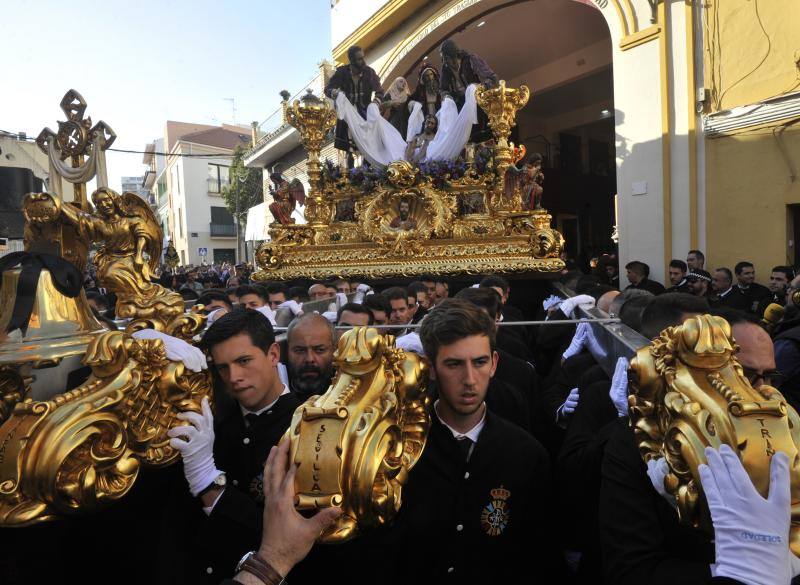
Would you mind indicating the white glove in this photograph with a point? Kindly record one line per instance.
(576, 345)
(268, 313)
(331, 316)
(176, 349)
(362, 292)
(410, 342)
(657, 470)
(216, 314)
(751, 534)
(619, 387)
(584, 301)
(196, 444)
(295, 307)
(552, 301)
(570, 404)
(341, 300)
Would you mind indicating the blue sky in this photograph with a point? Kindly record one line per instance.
(141, 63)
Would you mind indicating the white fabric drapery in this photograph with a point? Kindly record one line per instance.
(381, 144)
(95, 164)
(256, 228)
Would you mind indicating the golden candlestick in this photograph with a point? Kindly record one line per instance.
(312, 117)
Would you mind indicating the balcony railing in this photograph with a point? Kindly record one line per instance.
(216, 186)
(223, 230)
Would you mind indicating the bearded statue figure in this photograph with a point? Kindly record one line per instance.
(131, 248)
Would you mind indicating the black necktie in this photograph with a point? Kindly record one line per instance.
(251, 418)
(465, 444)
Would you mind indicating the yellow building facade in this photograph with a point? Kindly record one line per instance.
(669, 122)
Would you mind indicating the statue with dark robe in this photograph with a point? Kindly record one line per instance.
(428, 90)
(359, 82)
(460, 69)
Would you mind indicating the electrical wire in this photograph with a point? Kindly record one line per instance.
(129, 151)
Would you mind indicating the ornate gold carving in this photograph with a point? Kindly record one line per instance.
(356, 443)
(312, 117)
(82, 449)
(446, 221)
(690, 392)
(128, 230)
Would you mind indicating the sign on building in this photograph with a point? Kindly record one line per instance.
(202, 251)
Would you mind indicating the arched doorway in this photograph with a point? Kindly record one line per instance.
(563, 52)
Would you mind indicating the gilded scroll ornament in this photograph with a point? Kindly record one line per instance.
(82, 449)
(356, 444)
(690, 392)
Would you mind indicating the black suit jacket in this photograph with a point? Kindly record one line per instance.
(234, 526)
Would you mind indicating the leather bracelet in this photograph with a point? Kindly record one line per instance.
(268, 569)
(263, 570)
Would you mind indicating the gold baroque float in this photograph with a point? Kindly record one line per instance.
(690, 392)
(409, 224)
(71, 444)
(356, 444)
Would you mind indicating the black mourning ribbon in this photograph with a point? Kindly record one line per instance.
(66, 278)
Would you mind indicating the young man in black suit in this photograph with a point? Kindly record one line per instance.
(224, 455)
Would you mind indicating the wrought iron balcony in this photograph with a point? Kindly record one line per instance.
(223, 230)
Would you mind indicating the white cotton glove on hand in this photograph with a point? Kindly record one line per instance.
(568, 408)
(751, 534)
(584, 301)
(657, 470)
(196, 445)
(410, 342)
(331, 316)
(295, 307)
(578, 340)
(619, 387)
(341, 300)
(362, 292)
(268, 313)
(551, 301)
(176, 349)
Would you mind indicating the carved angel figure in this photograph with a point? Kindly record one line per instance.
(286, 196)
(128, 230)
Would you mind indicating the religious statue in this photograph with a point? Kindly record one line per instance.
(395, 105)
(528, 180)
(459, 70)
(417, 149)
(403, 221)
(286, 196)
(358, 81)
(427, 93)
(128, 230)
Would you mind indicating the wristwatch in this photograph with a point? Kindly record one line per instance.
(219, 482)
(258, 567)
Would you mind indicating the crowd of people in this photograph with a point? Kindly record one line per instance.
(531, 472)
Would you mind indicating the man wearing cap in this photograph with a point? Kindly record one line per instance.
(697, 282)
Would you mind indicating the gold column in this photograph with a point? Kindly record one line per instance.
(501, 104)
(312, 117)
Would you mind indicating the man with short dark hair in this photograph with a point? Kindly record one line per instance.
(342, 286)
(276, 294)
(724, 293)
(251, 296)
(779, 281)
(400, 312)
(638, 275)
(420, 292)
(753, 292)
(442, 290)
(695, 260)
(224, 455)
(191, 282)
(310, 344)
(353, 315)
(677, 276)
(475, 504)
(503, 288)
(379, 307)
(215, 301)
